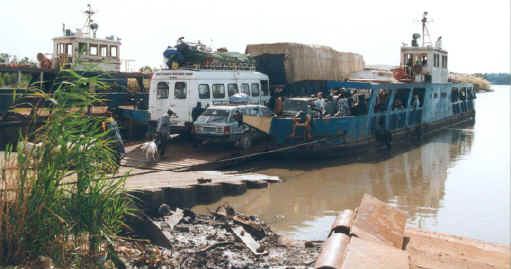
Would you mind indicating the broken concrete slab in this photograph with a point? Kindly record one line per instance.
(247, 239)
(234, 188)
(364, 254)
(209, 192)
(378, 221)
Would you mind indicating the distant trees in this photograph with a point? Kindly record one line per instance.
(497, 78)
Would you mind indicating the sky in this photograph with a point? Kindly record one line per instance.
(475, 33)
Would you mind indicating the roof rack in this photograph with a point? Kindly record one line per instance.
(220, 67)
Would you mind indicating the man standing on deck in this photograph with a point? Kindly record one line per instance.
(110, 125)
(163, 131)
(197, 111)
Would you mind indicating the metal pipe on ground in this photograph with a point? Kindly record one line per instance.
(342, 223)
(332, 252)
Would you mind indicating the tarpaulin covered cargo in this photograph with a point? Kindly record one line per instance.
(291, 62)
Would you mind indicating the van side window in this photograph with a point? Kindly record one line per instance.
(180, 90)
(265, 87)
(245, 89)
(218, 91)
(162, 90)
(255, 89)
(232, 89)
(204, 91)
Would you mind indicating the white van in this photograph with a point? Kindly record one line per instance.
(180, 90)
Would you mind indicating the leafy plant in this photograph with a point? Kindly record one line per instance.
(57, 198)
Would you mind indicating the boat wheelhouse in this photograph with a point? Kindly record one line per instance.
(83, 51)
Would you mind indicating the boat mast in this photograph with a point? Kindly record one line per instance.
(425, 30)
(90, 25)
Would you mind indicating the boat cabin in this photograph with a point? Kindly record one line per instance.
(425, 64)
(83, 51)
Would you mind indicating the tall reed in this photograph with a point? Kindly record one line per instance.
(58, 199)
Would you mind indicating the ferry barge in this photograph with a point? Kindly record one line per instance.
(421, 102)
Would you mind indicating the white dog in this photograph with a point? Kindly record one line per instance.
(151, 150)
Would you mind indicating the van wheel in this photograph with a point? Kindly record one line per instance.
(245, 141)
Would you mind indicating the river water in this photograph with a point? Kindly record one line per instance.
(456, 182)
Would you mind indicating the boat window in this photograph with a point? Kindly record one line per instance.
(93, 50)
(436, 60)
(204, 91)
(424, 59)
(232, 89)
(471, 93)
(245, 89)
(454, 95)
(103, 50)
(113, 51)
(265, 87)
(444, 61)
(180, 90)
(218, 91)
(255, 89)
(463, 93)
(60, 48)
(401, 99)
(382, 100)
(82, 48)
(408, 59)
(418, 98)
(69, 49)
(162, 90)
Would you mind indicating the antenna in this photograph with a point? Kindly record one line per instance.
(425, 30)
(90, 25)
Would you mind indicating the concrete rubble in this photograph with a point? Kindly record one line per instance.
(222, 239)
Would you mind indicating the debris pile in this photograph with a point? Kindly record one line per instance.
(222, 239)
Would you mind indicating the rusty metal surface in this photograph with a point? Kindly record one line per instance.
(342, 223)
(437, 250)
(369, 254)
(332, 251)
(377, 221)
